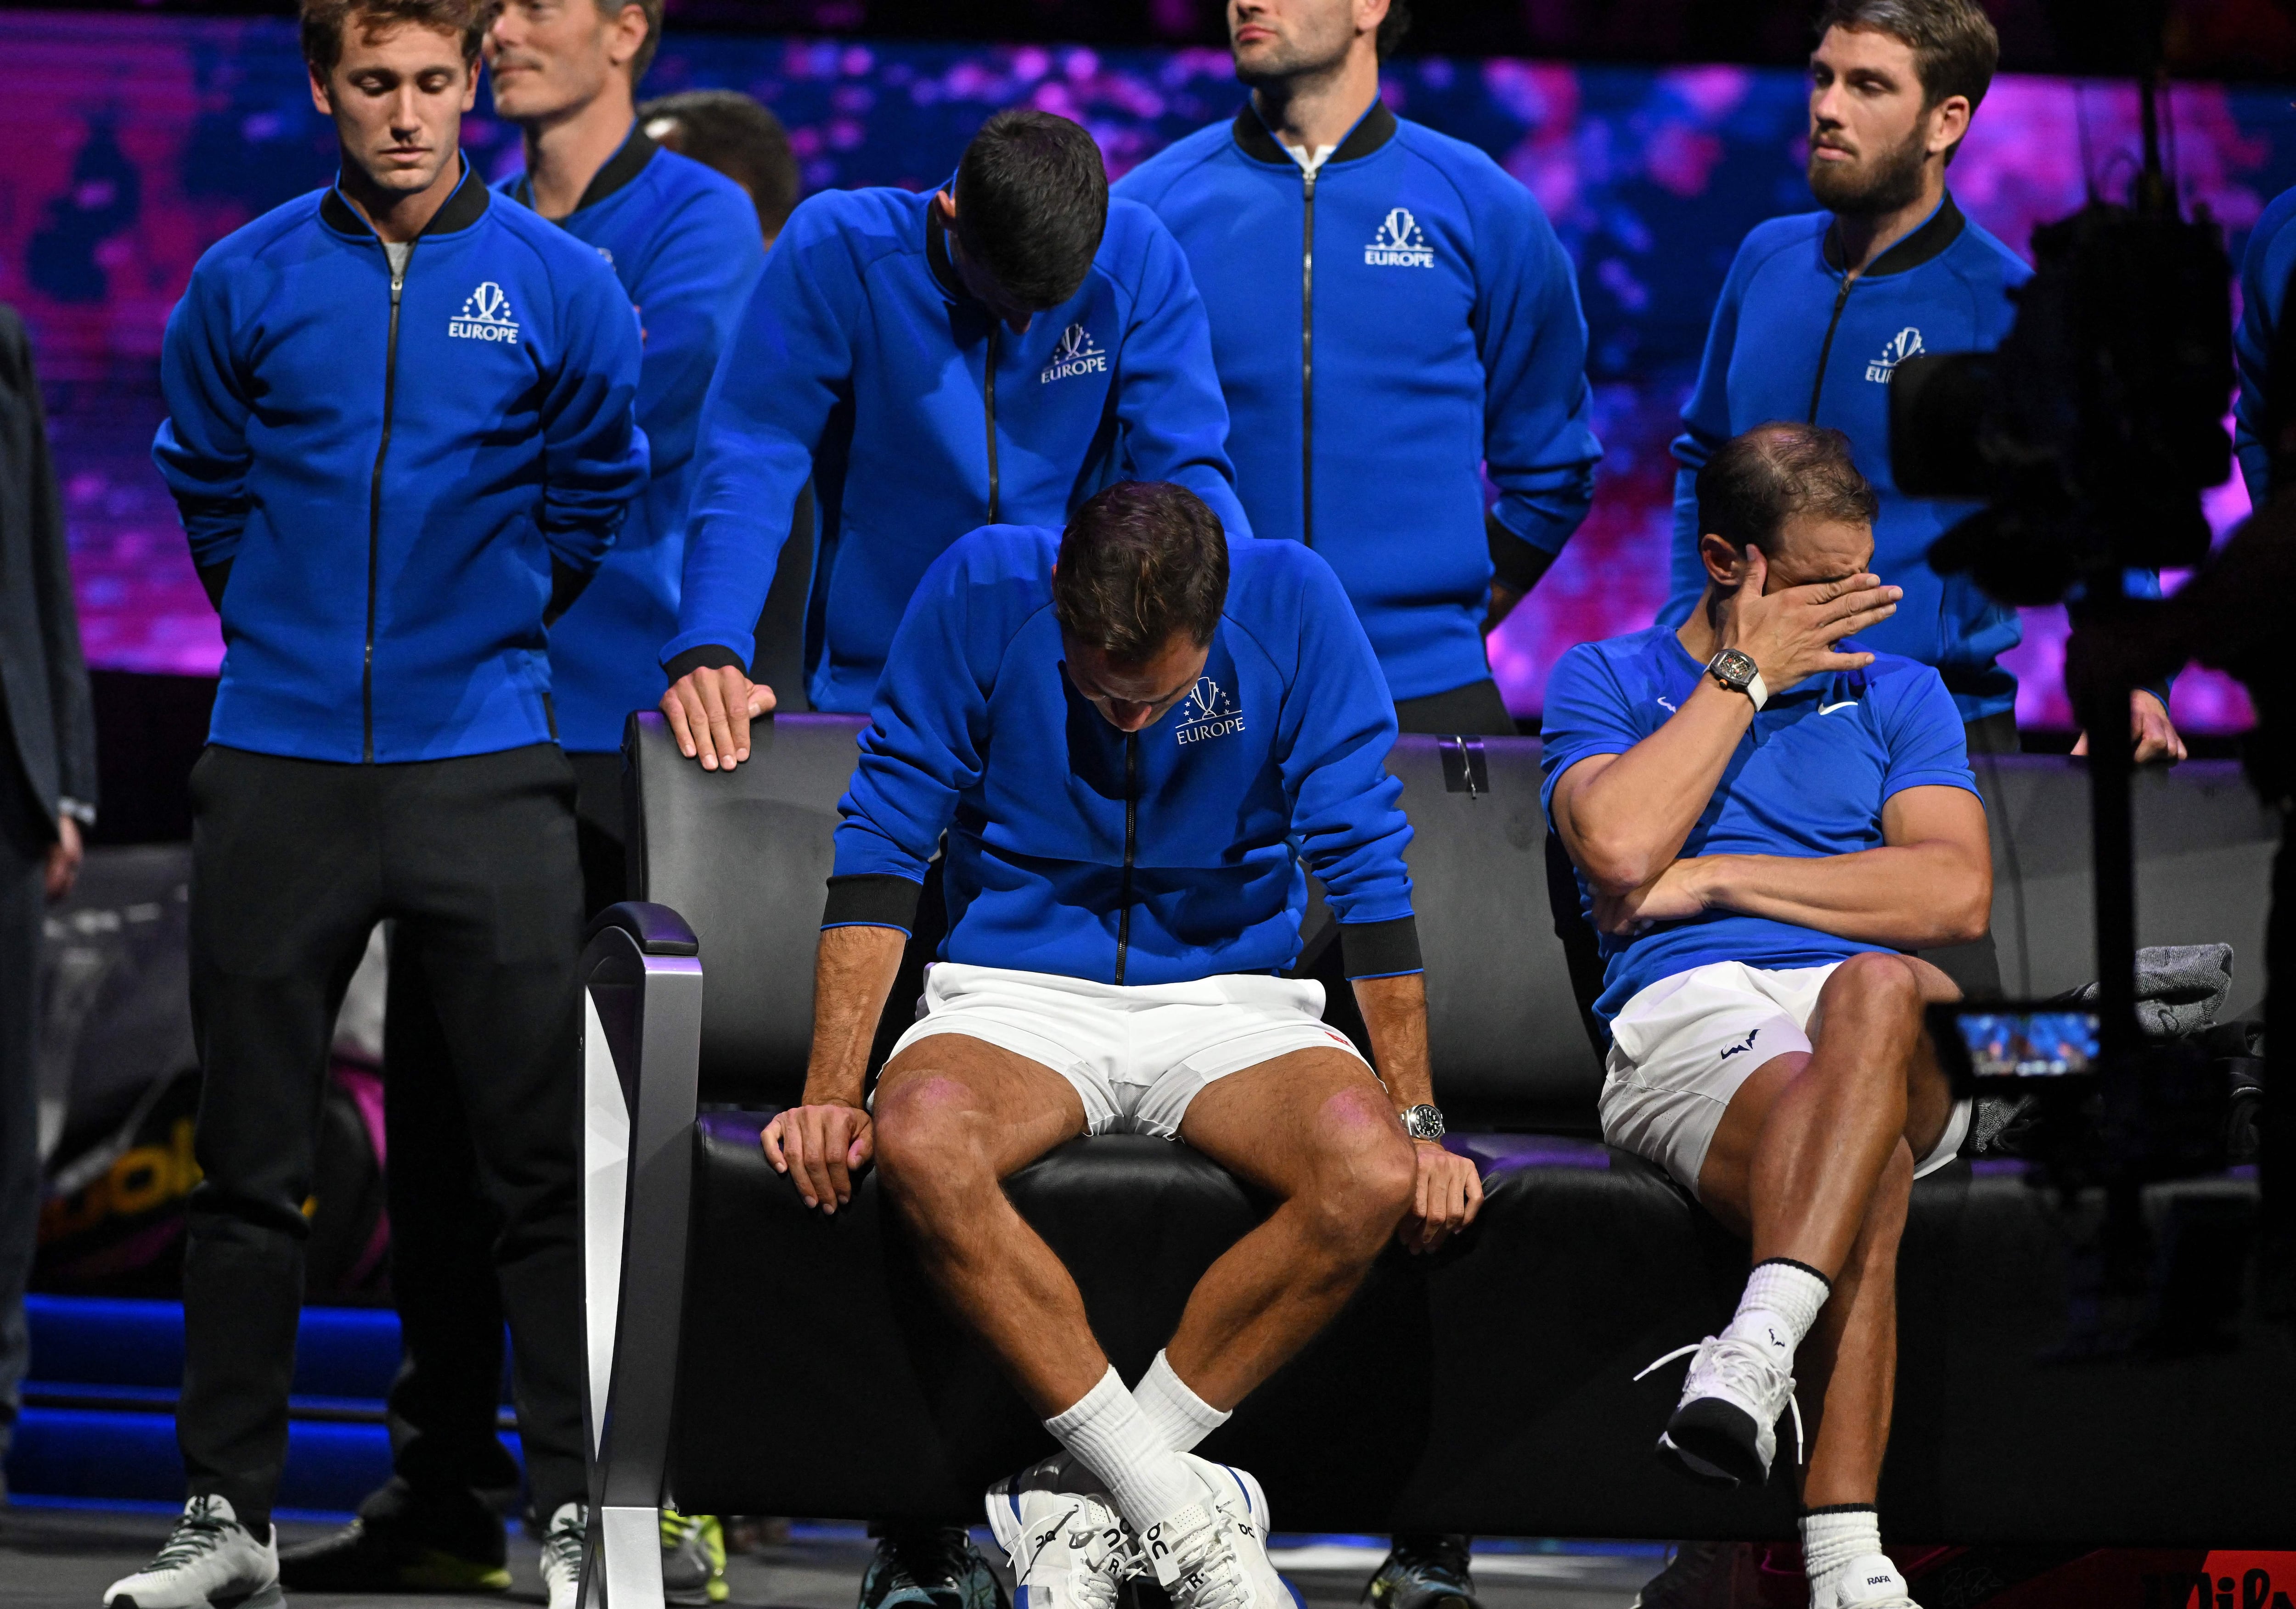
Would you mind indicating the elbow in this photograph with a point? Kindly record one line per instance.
(1970, 917)
(1615, 868)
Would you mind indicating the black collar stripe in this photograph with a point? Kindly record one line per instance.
(1924, 245)
(1372, 130)
(624, 166)
(465, 207)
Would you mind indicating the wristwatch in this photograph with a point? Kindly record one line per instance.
(1423, 1122)
(1736, 673)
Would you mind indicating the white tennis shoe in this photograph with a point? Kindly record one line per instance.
(1725, 1429)
(1871, 1582)
(209, 1561)
(1070, 1547)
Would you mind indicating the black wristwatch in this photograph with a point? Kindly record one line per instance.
(1423, 1122)
(1735, 671)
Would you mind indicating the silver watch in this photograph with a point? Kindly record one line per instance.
(1423, 1122)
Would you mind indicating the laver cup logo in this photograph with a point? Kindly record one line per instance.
(1906, 343)
(1208, 713)
(1075, 355)
(486, 316)
(1399, 242)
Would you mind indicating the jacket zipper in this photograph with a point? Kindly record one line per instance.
(988, 404)
(374, 494)
(1825, 352)
(1131, 843)
(1308, 357)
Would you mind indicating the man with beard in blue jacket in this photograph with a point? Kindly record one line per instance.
(1820, 308)
(1389, 310)
(992, 352)
(1130, 753)
(684, 242)
(401, 435)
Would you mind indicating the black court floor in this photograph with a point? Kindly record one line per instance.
(67, 1557)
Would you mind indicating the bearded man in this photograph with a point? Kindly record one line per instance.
(1820, 308)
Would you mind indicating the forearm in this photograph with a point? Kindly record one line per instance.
(1395, 1014)
(1911, 896)
(852, 973)
(1630, 819)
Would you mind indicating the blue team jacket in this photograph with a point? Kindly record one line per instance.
(1163, 856)
(684, 241)
(1384, 328)
(2264, 273)
(1793, 339)
(862, 362)
(391, 477)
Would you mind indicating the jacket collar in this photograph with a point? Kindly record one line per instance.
(465, 207)
(1372, 130)
(1925, 244)
(624, 165)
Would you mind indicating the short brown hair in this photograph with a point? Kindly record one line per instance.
(324, 20)
(1955, 50)
(1140, 561)
(1774, 473)
(727, 130)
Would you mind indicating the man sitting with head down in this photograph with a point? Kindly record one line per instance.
(1124, 749)
(1764, 817)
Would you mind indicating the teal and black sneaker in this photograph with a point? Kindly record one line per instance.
(1423, 1571)
(692, 1559)
(930, 1567)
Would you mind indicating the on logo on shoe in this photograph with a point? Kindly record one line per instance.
(486, 316)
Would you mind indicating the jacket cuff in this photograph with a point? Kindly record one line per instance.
(78, 810)
(1380, 949)
(872, 899)
(712, 655)
(1516, 564)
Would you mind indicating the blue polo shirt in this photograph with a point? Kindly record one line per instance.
(1809, 778)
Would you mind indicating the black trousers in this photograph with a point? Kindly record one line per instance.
(294, 861)
(444, 1453)
(24, 839)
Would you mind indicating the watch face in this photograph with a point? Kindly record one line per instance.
(1732, 667)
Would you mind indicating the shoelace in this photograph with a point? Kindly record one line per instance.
(1215, 1572)
(563, 1545)
(1745, 1365)
(200, 1532)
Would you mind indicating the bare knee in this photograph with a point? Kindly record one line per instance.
(928, 1139)
(1364, 1174)
(1876, 982)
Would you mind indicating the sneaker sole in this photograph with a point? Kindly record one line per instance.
(1710, 1440)
(262, 1597)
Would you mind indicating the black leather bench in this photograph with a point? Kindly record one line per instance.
(756, 1358)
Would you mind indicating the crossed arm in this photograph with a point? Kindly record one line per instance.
(1624, 818)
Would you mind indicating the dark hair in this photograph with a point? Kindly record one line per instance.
(1139, 561)
(1393, 27)
(323, 23)
(1032, 202)
(1956, 49)
(727, 130)
(1755, 483)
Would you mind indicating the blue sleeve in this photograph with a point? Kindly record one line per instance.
(1539, 436)
(1337, 726)
(1168, 396)
(593, 454)
(1705, 427)
(922, 747)
(1587, 714)
(1928, 747)
(696, 282)
(201, 448)
(789, 364)
(2264, 273)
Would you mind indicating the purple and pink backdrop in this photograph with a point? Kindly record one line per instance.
(142, 140)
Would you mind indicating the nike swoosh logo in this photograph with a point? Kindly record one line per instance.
(1827, 710)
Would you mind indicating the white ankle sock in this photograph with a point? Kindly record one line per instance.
(1780, 1306)
(1107, 1431)
(1831, 1537)
(1179, 1417)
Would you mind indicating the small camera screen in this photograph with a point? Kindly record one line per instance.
(2029, 1044)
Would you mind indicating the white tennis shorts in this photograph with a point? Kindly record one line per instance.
(1136, 1053)
(1680, 1049)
